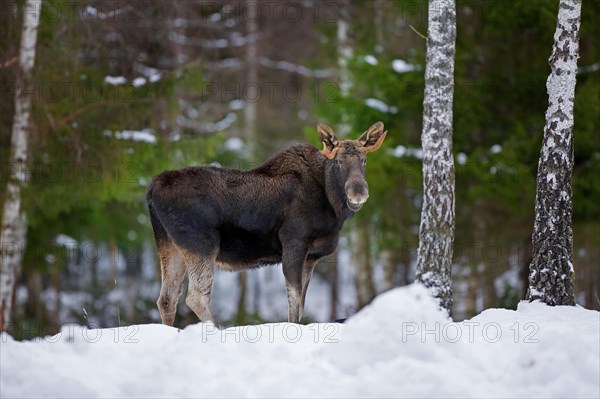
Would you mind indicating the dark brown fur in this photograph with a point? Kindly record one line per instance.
(288, 210)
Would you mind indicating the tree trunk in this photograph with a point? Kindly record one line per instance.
(242, 314)
(344, 54)
(345, 51)
(379, 26)
(34, 304)
(551, 270)
(389, 269)
(251, 105)
(471, 297)
(113, 250)
(334, 286)
(55, 283)
(363, 267)
(13, 230)
(404, 266)
(436, 233)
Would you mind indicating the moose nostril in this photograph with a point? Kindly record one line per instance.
(359, 189)
(357, 192)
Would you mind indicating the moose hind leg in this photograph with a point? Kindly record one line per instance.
(172, 273)
(200, 273)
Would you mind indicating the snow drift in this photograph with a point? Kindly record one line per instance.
(401, 345)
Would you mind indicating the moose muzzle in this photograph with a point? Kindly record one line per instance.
(357, 193)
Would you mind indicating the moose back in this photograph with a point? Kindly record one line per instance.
(288, 210)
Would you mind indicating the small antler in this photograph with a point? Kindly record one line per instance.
(329, 154)
(330, 142)
(375, 146)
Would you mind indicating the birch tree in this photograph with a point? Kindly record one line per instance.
(551, 269)
(436, 232)
(13, 230)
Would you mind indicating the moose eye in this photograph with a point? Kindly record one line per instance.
(364, 162)
(338, 162)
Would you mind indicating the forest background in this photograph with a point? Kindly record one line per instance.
(125, 89)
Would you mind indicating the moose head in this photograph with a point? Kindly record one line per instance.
(346, 162)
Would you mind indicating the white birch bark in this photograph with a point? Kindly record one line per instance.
(551, 268)
(436, 233)
(13, 228)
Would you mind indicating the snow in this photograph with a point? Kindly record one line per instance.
(91, 13)
(401, 345)
(402, 151)
(152, 74)
(589, 68)
(139, 81)
(236, 105)
(180, 23)
(380, 106)
(370, 59)
(234, 144)
(144, 135)
(296, 68)
(401, 66)
(220, 125)
(496, 149)
(65, 240)
(226, 63)
(115, 80)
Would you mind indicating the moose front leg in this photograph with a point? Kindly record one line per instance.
(293, 261)
(307, 272)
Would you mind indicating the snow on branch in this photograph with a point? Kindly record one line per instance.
(295, 68)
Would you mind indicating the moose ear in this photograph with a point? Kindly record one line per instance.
(327, 137)
(371, 139)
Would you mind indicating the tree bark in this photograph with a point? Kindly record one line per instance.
(363, 266)
(344, 54)
(379, 26)
(242, 314)
(333, 315)
(436, 233)
(345, 50)
(251, 104)
(551, 270)
(34, 307)
(389, 269)
(13, 230)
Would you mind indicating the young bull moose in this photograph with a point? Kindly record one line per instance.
(289, 210)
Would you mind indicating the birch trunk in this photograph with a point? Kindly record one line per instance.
(13, 230)
(551, 269)
(436, 233)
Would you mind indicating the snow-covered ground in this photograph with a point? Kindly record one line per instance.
(399, 346)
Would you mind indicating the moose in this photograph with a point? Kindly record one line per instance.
(288, 210)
